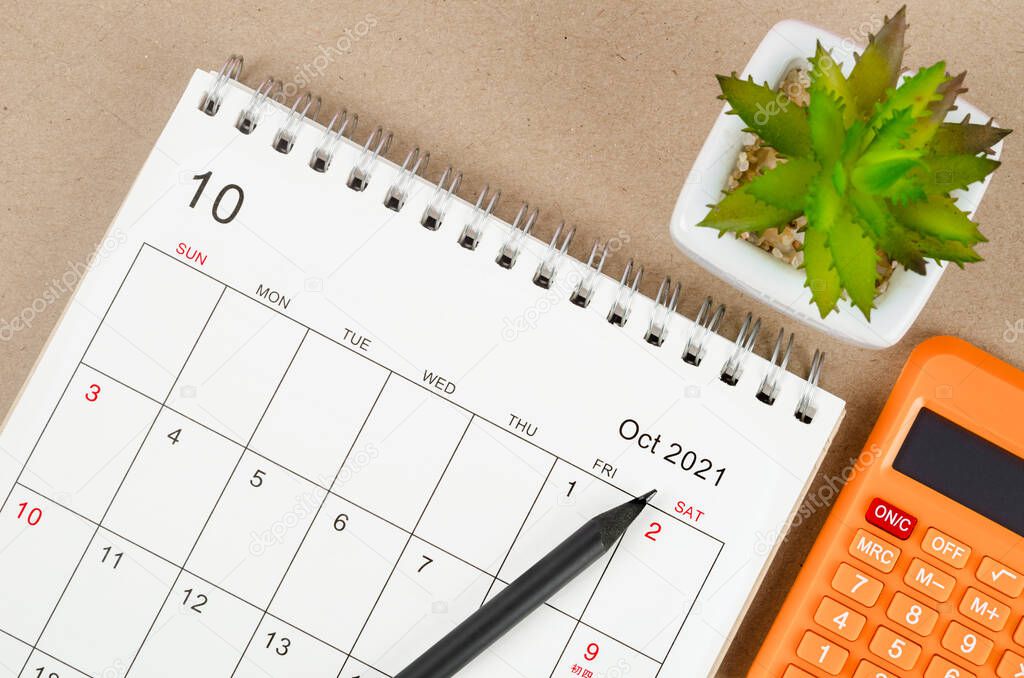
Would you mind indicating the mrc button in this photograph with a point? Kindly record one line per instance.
(895, 521)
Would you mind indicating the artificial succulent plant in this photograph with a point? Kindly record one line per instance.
(869, 164)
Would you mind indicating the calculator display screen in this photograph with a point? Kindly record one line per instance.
(965, 467)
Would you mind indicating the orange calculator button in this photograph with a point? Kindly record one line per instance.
(987, 611)
(911, 614)
(873, 551)
(942, 668)
(839, 619)
(1001, 578)
(1018, 636)
(894, 648)
(966, 643)
(1010, 666)
(929, 580)
(951, 551)
(794, 672)
(822, 653)
(868, 670)
(856, 585)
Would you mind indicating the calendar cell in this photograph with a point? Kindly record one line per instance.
(278, 649)
(569, 499)
(178, 458)
(40, 545)
(429, 593)
(660, 560)
(13, 654)
(592, 653)
(318, 410)
(356, 669)
(237, 364)
(255, 529)
(104, 423)
(41, 665)
(401, 452)
(342, 565)
(153, 323)
(201, 631)
(124, 581)
(532, 649)
(499, 476)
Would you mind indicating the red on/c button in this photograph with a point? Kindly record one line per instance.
(893, 520)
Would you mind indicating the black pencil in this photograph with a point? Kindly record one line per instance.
(528, 592)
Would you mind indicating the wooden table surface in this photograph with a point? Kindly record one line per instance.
(591, 112)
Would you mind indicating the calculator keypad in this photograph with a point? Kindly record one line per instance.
(856, 585)
(1011, 665)
(839, 619)
(940, 598)
(1000, 577)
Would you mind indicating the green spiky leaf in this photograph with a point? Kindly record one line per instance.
(877, 171)
(769, 114)
(740, 212)
(944, 173)
(892, 238)
(949, 250)
(893, 131)
(856, 261)
(938, 217)
(825, 119)
(918, 93)
(827, 75)
(966, 137)
(785, 185)
(879, 65)
(822, 278)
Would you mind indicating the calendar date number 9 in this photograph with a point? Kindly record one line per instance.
(672, 452)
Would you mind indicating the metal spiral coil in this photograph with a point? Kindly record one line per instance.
(341, 129)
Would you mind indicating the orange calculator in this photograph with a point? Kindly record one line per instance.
(919, 570)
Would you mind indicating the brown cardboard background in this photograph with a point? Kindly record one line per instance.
(593, 113)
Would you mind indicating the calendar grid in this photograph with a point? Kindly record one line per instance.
(328, 492)
(327, 495)
(220, 496)
(151, 425)
(408, 540)
(434, 393)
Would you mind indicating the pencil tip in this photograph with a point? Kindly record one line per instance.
(647, 497)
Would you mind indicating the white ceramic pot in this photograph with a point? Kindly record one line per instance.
(756, 271)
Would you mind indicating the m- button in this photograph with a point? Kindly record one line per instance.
(876, 552)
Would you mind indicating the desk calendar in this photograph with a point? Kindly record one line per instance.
(283, 429)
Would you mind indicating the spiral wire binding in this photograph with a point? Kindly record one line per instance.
(250, 115)
(742, 347)
(285, 138)
(231, 70)
(377, 143)
(664, 307)
(708, 318)
(585, 287)
(395, 198)
(323, 154)
(433, 213)
(474, 228)
(547, 269)
(510, 250)
(706, 323)
(769, 388)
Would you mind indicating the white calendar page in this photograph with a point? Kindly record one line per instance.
(310, 440)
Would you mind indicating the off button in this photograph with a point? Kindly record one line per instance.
(893, 520)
